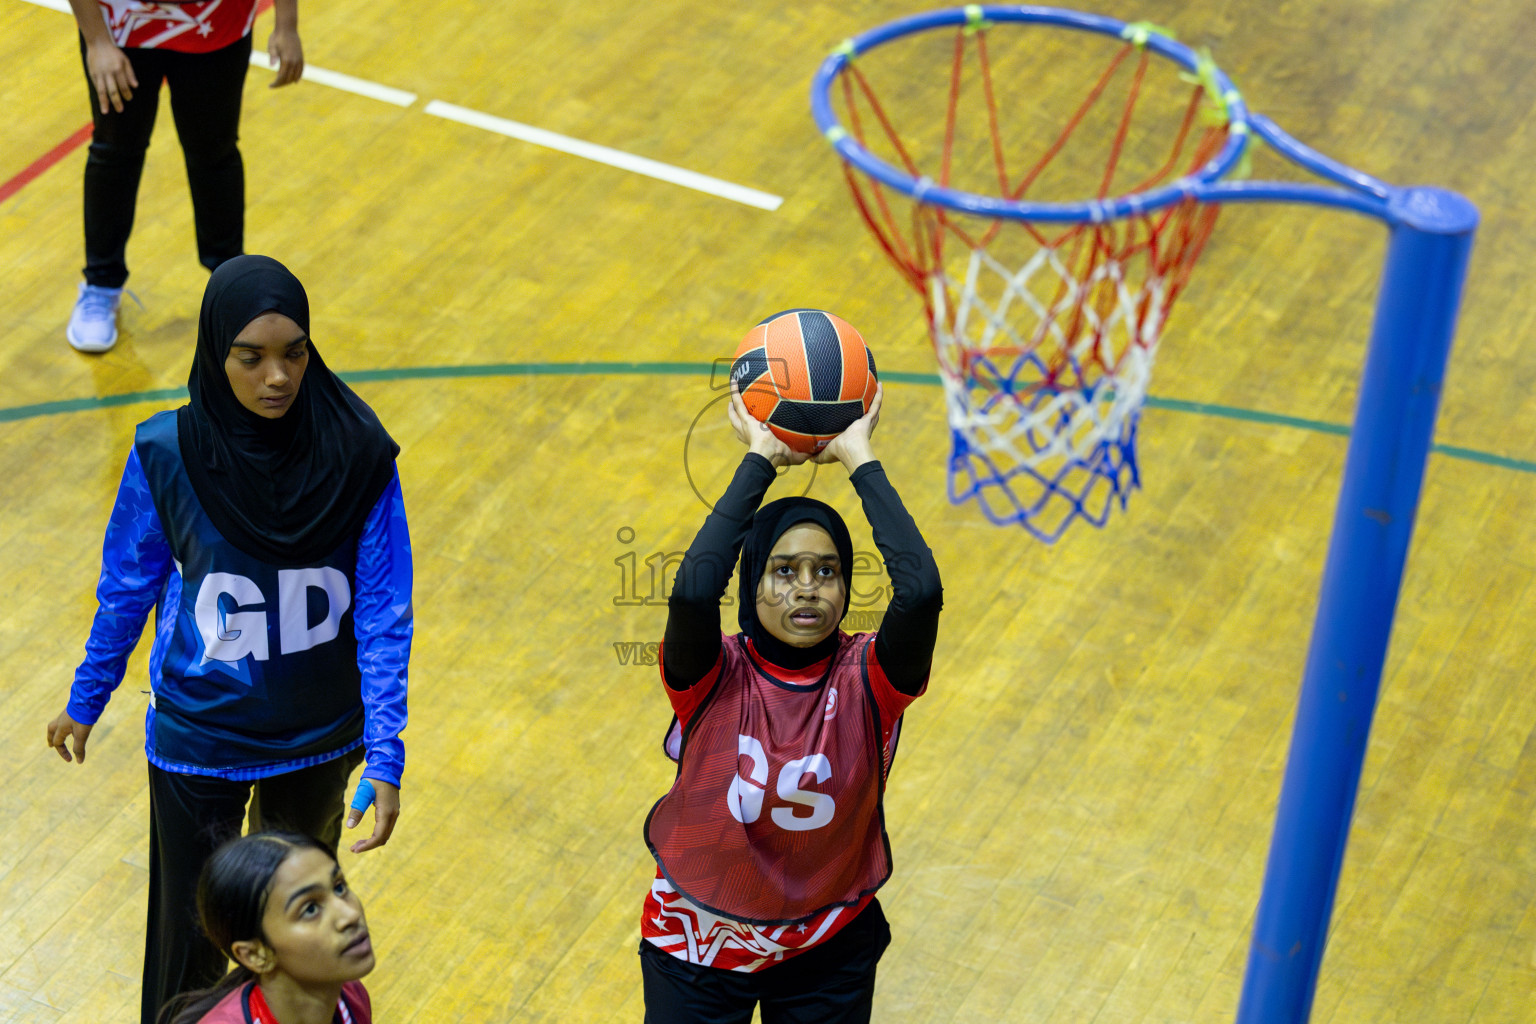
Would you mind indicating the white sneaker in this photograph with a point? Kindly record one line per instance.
(93, 324)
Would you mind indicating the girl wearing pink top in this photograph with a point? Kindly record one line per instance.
(277, 905)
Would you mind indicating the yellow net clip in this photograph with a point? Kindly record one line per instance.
(1138, 32)
(1218, 112)
(847, 50)
(975, 21)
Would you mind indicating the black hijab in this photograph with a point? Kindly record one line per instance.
(772, 521)
(291, 490)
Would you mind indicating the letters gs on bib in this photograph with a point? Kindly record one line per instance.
(232, 635)
(744, 798)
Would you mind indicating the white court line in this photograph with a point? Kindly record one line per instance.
(604, 155)
(513, 129)
(337, 80)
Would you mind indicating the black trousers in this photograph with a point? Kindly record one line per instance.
(833, 983)
(205, 101)
(189, 817)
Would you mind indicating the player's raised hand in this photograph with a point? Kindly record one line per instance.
(852, 447)
(64, 732)
(757, 437)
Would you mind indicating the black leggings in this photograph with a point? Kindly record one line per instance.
(189, 817)
(205, 101)
(833, 983)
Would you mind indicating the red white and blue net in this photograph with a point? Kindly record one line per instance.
(1045, 332)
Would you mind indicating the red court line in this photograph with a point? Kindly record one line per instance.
(44, 162)
(68, 146)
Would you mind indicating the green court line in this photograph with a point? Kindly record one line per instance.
(27, 412)
(611, 369)
(1250, 416)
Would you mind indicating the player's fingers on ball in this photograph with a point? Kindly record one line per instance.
(873, 412)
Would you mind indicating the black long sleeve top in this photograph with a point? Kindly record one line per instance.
(905, 640)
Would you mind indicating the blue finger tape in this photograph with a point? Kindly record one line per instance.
(364, 795)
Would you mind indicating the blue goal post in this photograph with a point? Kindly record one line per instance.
(1430, 235)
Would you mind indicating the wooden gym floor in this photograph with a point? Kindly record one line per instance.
(1083, 802)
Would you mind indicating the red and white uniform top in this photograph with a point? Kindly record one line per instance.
(772, 837)
(198, 27)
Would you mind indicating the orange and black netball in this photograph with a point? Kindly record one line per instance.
(807, 374)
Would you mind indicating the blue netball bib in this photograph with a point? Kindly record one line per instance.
(260, 663)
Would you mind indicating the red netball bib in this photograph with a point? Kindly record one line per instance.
(775, 814)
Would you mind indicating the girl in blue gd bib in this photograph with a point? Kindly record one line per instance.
(264, 523)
